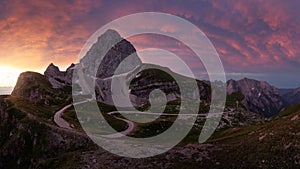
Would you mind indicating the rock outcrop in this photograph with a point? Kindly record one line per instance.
(36, 88)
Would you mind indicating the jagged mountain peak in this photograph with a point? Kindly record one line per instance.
(57, 78)
(51, 70)
(104, 43)
(107, 53)
(109, 34)
(52, 67)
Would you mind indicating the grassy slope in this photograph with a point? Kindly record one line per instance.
(273, 144)
(70, 116)
(42, 112)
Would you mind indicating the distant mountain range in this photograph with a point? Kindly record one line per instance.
(260, 97)
(293, 96)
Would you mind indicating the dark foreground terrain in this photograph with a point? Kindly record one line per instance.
(30, 139)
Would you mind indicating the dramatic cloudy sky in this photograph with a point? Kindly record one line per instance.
(256, 39)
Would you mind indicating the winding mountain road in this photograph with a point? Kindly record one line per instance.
(64, 124)
(59, 120)
(131, 125)
(58, 115)
(165, 114)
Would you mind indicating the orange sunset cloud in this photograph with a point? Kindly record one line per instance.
(250, 36)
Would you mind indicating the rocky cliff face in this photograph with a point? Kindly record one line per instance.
(260, 97)
(293, 96)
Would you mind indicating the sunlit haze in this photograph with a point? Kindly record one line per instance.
(8, 76)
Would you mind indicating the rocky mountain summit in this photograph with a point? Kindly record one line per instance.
(110, 57)
(106, 54)
(260, 97)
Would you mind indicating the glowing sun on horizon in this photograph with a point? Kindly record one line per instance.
(9, 76)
